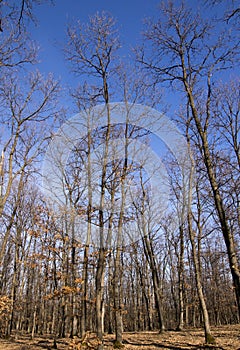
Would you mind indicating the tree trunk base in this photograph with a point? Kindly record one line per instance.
(117, 345)
(210, 339)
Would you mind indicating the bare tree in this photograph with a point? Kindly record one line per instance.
(91, 51)
(184, 58)
(22, 144)
(232, 11)
(16, 48)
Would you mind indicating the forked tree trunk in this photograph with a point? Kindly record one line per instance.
(155, 277)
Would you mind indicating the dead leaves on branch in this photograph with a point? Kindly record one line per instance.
(5, 309)
(5, 305)
(65, 290)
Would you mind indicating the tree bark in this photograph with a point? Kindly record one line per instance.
(209, 339)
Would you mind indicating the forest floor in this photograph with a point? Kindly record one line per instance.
(227, 338)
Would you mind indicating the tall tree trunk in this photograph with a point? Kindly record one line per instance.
(101, 255)
(118, 299)
(208, 335)
(227, 233)
(181, 280)
(89, 226)
(99, 296)
(209, 339)
(117, 271)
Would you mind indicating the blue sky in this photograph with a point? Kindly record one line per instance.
(50, 31)
(52, 21)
